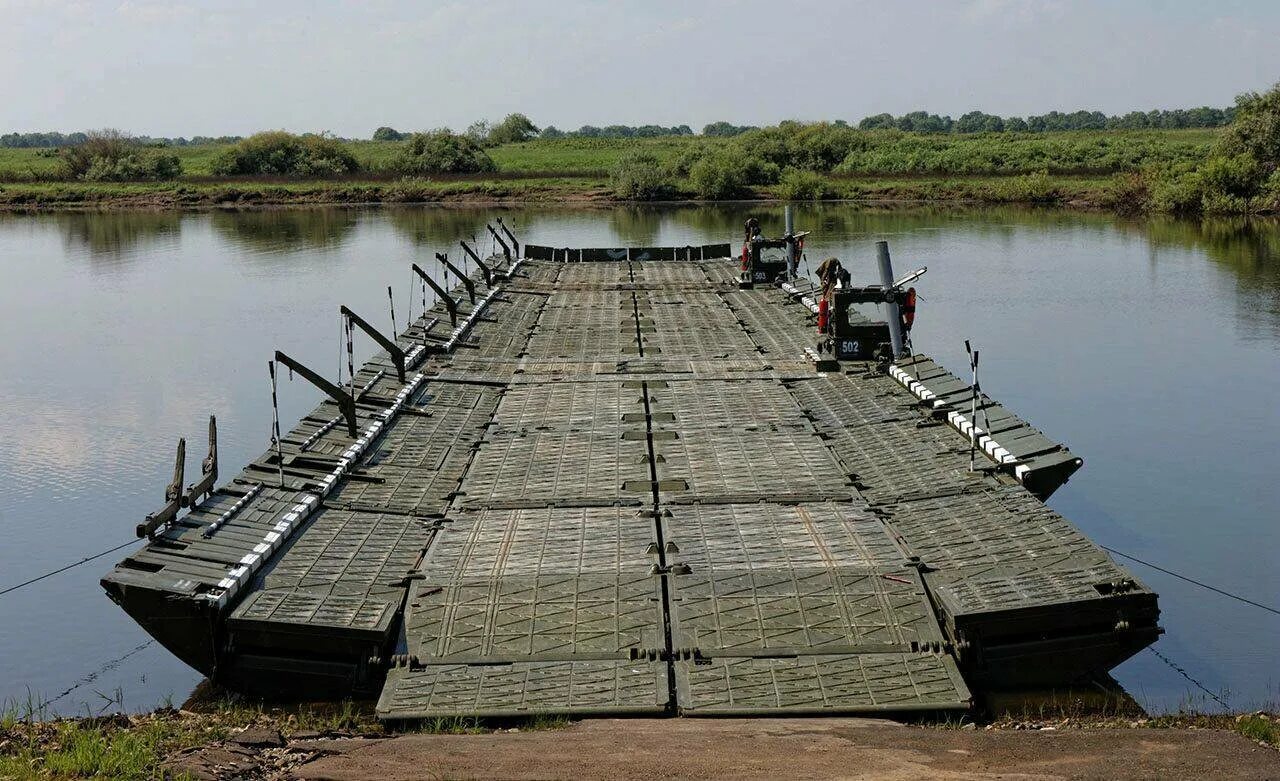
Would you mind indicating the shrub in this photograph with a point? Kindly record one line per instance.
(112, 156)
(280, 153)
(1239, 176)
(798, 185)
(1255, 131)
(442, 152)
(639, 177)
(1177, 189)
(718, 175)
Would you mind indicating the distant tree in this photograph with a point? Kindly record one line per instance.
(1015, 125)
(1255, 132)
(878, 122)
(513, 129)
(588, 131)
(551, 131)
(724, 129)
(388, 134)
(478, 131)
(924, 122)
(684, 130)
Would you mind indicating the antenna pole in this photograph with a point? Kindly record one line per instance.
(973, 405)
(275, 422)
(391, 300)
(791, 245)
(351, 359)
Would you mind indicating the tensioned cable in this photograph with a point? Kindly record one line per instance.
(51, 573)
(1193, 581)
(1187, 675)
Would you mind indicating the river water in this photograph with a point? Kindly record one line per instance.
(1152, 348)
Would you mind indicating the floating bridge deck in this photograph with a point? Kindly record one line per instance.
(619, 486)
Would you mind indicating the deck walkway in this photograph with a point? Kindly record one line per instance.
(627, 491)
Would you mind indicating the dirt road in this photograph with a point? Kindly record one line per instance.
(797, 749)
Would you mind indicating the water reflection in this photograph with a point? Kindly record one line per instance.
(637, 226)
(286, 230)
(114, 238)
(442, 227)
(1248, 248)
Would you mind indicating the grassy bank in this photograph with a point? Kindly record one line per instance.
(1072, 168)
(1090, 191)
(227, 738)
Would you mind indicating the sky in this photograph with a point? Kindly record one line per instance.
(175, 68)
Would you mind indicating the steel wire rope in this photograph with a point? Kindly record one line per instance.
(1193, 581)
(64, 568)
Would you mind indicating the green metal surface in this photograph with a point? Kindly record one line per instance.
(623, 488)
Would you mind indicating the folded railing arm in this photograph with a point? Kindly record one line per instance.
(449, 303)
(393, 349)
(466, 281)
(345, 401)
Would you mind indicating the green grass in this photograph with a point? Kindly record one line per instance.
(587, 155)
(1260, 727)
(883, 153)
(1075, 167)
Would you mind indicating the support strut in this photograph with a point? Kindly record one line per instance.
(484, 269)
(345, 401)
(505, 249)
(514, 243)
(393, 349)
(466, 281)
(449, 303)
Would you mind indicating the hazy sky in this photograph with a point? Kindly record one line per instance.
(182, 68)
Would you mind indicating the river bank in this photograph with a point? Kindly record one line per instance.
(1112, 193)
(225, 739)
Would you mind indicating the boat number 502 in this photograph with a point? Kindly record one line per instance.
(849, 346)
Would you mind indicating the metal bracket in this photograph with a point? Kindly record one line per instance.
(345, 401)
(449, 303)
(484, 268)
(208, 468)
(397, 354)
(505, 249)
(172, 497)
(466, 281)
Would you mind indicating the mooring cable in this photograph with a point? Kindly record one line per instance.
(1187, 675)
(93, 676)
(51, 573)
(1193, 581)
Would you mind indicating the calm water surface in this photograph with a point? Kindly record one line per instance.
(1151, 348)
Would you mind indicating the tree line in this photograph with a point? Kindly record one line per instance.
(518, 127)
(60, 140)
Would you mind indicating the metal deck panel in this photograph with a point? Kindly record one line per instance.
(534, 618)
(732, 466)
(550, 540)
(725, 538)
(812, 685)
(580, 687)
(762, 612)
(544, 468)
